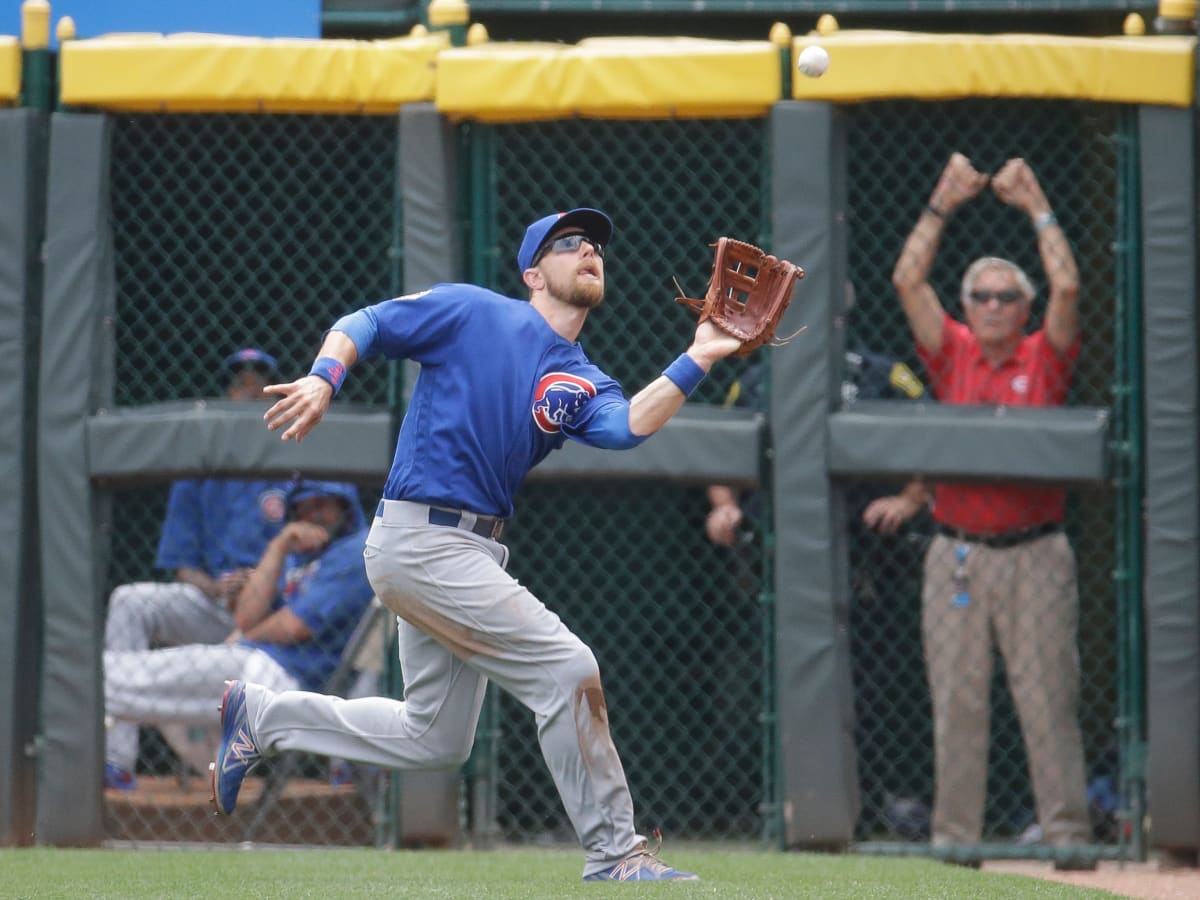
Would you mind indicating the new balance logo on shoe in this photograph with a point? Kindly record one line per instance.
(237, 753)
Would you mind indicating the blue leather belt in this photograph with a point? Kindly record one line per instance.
(484, 526)
(407, 511)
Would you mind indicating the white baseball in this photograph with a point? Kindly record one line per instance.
(813, 61)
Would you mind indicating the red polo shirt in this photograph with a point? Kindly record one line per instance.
(1035, 375)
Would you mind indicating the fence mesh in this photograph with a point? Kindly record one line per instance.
(631, 571)
(260, 230)
(236, 231)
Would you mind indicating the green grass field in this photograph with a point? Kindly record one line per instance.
(497, 875)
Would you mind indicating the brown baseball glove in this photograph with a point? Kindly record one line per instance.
(748, 293)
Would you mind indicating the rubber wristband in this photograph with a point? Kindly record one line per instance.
(934, 211)
(685, 373)
(329, 369)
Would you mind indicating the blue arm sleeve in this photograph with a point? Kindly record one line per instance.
(606, 426)
(415, 326)
(362, 327)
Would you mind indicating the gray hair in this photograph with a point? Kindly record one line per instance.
(981, 265)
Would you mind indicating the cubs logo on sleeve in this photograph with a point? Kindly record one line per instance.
(558, 399)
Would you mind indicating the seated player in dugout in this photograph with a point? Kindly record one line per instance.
(291, 621)
(214, 531)
(1001, 564)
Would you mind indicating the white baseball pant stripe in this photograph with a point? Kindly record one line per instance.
(464, 621)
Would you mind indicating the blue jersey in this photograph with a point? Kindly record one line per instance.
(217, 525)
(498, 390)
(328, 592)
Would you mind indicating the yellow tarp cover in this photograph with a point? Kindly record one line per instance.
(622, 77)
(871, 65)
(10, 69)
(221, 73)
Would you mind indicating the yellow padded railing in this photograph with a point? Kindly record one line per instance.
(629, 77)
(216, 73)
(10, 70)
(877, 65)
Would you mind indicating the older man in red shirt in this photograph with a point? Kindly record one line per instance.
(1001, 564)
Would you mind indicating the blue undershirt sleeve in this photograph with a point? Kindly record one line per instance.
(607, 427)
(361, 327)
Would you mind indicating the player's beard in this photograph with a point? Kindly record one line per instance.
(574, 291)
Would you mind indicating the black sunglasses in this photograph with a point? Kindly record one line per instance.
(1007, 296)
(568, 243)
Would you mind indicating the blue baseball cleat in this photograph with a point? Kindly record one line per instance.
(237, 754)
(641, 865)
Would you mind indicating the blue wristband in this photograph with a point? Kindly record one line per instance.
(329, 369)
(685, 373)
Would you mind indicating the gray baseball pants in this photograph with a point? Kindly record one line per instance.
(465, 620)
(1026, 597)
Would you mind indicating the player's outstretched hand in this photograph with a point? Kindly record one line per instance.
(711, 343)
(301, 406)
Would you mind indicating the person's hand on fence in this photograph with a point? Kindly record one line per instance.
(722, 524)
(887, 514)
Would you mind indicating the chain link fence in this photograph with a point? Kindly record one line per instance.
(249, 230)
(897, 151)
(235, 231)
(677, 632)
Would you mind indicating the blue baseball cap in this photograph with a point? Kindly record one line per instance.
(594, 224)
(251, 356)
(305, 489)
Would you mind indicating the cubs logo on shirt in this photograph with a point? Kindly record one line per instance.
(558, 399)
(272, 505)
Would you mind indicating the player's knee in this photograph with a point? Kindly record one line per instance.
(124, 607)
(457, 756)
(445, 740)
(450, 751)
(137, 595)
(580, 667)
(122, 595)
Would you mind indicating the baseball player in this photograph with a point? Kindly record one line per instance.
(212, 536)
(296, 610)
(503, 382)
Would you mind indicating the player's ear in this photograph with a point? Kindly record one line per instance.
(533, 279)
